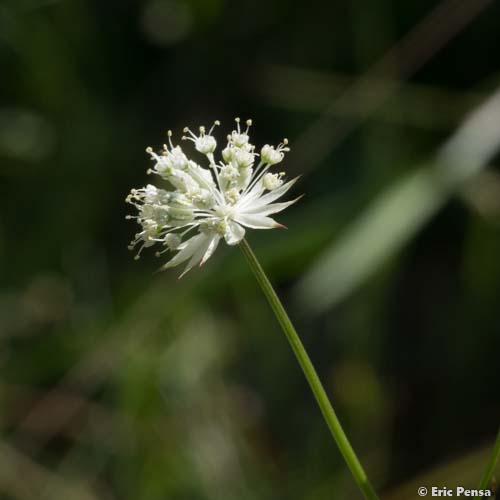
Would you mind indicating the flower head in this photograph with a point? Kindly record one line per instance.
(205, 205)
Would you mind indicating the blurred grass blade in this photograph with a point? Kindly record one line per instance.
(401, 211)
(487, 476)
(462, 470)
(385, 226)
(313, 91)
(24, 479)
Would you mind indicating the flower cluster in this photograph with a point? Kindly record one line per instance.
(207, 204)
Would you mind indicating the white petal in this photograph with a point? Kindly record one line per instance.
(234, 233)
(273, 208)
(256, 190)
(198, 255)
(187, 249)
(247, 201)
(211, 248)
(276, 193)
(254, 221)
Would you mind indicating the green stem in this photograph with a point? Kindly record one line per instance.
(490, 468)
(311, 375)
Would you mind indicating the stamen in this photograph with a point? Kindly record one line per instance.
(216, 124)
(282, 146)
(188, 131)
(169, 134)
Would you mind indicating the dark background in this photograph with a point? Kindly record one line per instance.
(117, 383)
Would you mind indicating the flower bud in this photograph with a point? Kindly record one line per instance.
(239, 139)
(172, 241)
(227, 154)
(271, 181)
(270, 155)
(229, 173)
(205, 144)
(232, 196)
(177, 159)
(243, 159)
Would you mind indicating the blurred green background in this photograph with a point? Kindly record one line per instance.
(118, 383)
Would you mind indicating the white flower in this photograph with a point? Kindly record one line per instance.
(204, 143)
(272, 181)
(272, 155)
(206, 205)
(242, 158)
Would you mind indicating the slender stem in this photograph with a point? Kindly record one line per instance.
(490, 468)
(310, 374)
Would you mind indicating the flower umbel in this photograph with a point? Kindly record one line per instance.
(205, 205)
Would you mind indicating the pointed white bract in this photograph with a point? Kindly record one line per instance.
(207, 204)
